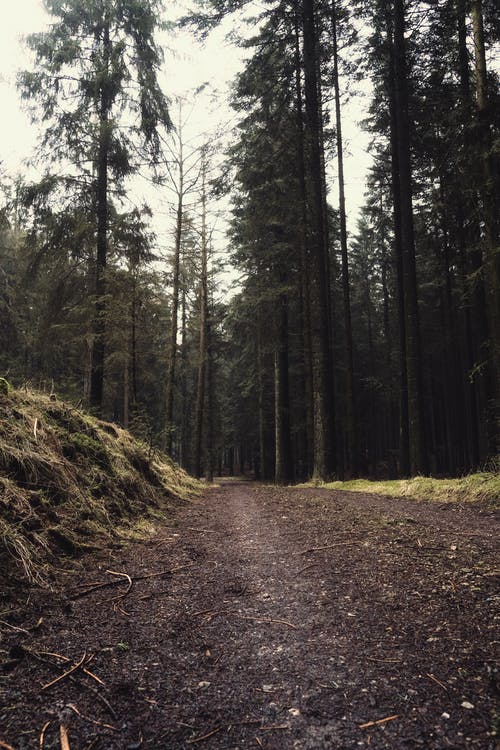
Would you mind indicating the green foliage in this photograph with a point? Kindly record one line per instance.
(5, 387)
(91, 448)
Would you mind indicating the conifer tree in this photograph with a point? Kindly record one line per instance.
(96, 70)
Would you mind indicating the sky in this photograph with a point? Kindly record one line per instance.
(188, 64)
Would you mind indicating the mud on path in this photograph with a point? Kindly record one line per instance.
(273, 618)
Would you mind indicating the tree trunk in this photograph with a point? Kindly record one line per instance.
(172, 343)
(283, 449)
(324, 448)
(209, 414)
(304, 281)
(352, 448)
(488, 189)
(418, 453)
(99, 326)
(404, 447)
(202, 363)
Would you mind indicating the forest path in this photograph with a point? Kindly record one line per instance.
(244, 633)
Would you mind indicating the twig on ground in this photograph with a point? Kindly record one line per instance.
(71, 678)
(92, 721)
(384, 661)
(15, 627)
(204, 736)
(68, 673)
(66, 659)
(130, 584)
(312, 565)
(270, 620)
(109, 584)
(272, 727)
(435, 679)
(42, 734)
(214, 612)
(63, 732)
(202, 531)
(6, 746)
(259, 741)
(328, 546)
(378, 721)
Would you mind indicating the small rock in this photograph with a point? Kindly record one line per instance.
(444, 715)
(294, 711)
(467, 704)
(204, 684)
(267, 688)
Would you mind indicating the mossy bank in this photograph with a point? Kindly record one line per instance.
(70, 483)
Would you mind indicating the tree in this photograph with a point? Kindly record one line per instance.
(96, 71)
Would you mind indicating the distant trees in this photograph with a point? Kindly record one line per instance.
(373, 352)
(95, 87)
(390, 337)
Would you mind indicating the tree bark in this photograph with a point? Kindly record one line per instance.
(324, 448)
(488, 189)
(351, 468)
(99, 325)
(283, 449)
(304, 282)
(202, 362)
(172, 343)
(417, 445)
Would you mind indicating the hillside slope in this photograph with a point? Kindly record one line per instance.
(70, 482)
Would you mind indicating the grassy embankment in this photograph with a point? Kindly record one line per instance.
(481, 487)
(70, 483)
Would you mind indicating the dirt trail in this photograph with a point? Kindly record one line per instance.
(261, 638)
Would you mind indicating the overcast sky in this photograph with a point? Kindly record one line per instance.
(187, 66)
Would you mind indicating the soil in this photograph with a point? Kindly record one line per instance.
(267, 617)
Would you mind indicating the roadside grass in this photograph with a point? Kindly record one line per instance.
(481, 487)
(70, 482)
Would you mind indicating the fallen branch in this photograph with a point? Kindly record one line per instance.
(68, 673)
(130, 584)
(63, 732)
(214, 612)
(66, 659)
(271, 620)
(92, 721)
(14, 627)
(71, 678)
(42, 734)
(109, 584)
(379, 721)
(5, 746)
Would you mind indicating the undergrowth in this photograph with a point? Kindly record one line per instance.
(70, 482)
